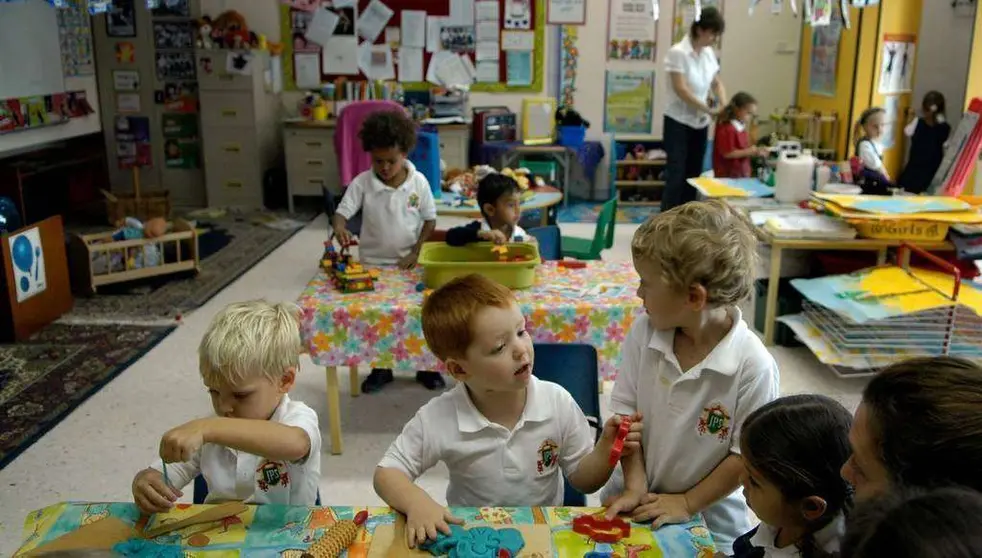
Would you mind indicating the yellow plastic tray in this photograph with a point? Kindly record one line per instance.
(924, 231)
(442, 263)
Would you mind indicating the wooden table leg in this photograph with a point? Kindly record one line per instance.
(353, 378)
(334, 409)
(545, 216)
(773, 284)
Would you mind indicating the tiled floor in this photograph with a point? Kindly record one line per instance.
(94, 453)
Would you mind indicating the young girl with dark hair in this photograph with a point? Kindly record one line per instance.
(731, 145)
(928, 134)
(793, 449)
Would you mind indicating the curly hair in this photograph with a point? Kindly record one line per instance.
(706, 243)
(387, 129)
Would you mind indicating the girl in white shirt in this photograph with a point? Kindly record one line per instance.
(793, 449)
(870, 173)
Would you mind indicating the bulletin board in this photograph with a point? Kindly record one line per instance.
(434, 8)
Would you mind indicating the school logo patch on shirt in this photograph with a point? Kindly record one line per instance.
(272, 474)
(414, 201)
(715, 421)
(548, 456)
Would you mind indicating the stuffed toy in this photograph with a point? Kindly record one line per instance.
(569, 117)
(204, 33)
(233, 28)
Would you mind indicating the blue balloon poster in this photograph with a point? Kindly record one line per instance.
(28, 257)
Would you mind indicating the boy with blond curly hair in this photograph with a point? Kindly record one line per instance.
(693, 368)
(506, 437)
(261, 447)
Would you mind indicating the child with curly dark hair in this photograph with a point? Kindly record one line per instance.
(398, 211)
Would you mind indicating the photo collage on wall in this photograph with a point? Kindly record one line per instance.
(177, 88)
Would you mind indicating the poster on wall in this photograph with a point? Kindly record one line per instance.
(181, 153)
(175, 65)
(685, 14)
(173, 35)
(631, 30)
(566, 12)
(897, 63)
(27, 255)
(172, 8)
(629, 98)
(75, 34)
(126, 80)
(121, 19)
(180, 97)
(571, 54)
(133, 141)
(824, 62)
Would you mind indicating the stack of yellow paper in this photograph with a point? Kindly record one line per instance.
(915, 218)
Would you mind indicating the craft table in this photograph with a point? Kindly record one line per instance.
(594, 305)
(272, 530)
(858, 244)
(544, 198)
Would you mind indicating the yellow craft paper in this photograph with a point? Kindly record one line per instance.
(888, 281)
(851, 201)
(966, 217)
(713, 188)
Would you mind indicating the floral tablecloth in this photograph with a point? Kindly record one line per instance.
(594, 305)
(286, 531)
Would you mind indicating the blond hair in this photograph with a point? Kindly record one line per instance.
(449, 311)
(251, 339)
(706, 243)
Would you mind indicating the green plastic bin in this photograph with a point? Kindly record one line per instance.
(548, 170)
(441, 263)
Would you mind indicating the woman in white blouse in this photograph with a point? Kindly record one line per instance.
(694, 71)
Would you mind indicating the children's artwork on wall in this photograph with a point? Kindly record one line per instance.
(570, 59)
(174, 35)
(628, 102)
(175, 65)
(121, 19)
(822, 13)
(126, 80)
(685, 14)
(27, 255)
(75, 34)
(518, 14)
(180, 97)
(824, 63)
(133, 141)
(897, 63)
(566, 12)
(631, 31)
(125, 52)
(172, 8)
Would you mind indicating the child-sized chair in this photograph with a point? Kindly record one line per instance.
(574, 367)
(549, 240)
(201, 491)
(603, 236)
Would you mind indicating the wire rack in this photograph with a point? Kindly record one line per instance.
(953, 329)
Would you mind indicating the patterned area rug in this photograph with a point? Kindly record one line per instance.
(43, 379)
(234, 245)
(586, 212)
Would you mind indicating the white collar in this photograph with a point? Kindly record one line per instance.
(826, 538)
(410, 171)
(277, 415)
(686, 44)
(469, 419)
(740, 126)
(720, 359)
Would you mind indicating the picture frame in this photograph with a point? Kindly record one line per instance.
(126, 80)
(172, 8)
(566, 12)
(538, 120)
(121, 19)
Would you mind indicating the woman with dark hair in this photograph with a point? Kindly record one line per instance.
(919, 425)
(943, 523)
(694, 72)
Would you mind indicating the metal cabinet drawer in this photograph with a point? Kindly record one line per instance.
(212, 75)
(227, 109)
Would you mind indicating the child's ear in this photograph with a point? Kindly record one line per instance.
(455, 369)
(488, 209)
(813, 507)
(698, 296)
(288, 378)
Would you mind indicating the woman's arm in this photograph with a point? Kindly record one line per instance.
(719, 90)
(681, 89)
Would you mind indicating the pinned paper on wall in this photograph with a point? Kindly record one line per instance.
(340, 56)
(486, 31)
(307, 69)
(469, 66)
(488, 71)
(413, 28)
(821, 13)
(864, 3)
(410, 64)
(393, 36)
(487, 51)
(375, 61)
(487, 10)
(776, 6)
(897, 66)
(321, 26)
(452, 71)
(434, 26)
(435, 61)
(519, 67)
(462, 12)
(517, 40)
(372, 22)
(631, 30)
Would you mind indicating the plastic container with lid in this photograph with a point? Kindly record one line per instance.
(793, 177)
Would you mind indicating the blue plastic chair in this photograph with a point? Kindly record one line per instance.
(201, 491)
(575, 368)
(550, 241)
(426, 158)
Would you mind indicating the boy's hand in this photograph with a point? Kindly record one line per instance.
(179, 444)
(662, 509)
(425, 519)
(633, 441)
(409, 260)
(151, 494)
(627, 502)
(494, 236)
(344, 236)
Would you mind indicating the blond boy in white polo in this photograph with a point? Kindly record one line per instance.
(261, 447)
(693, 368)
(506, 437)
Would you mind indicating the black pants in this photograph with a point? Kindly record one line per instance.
(685, 148)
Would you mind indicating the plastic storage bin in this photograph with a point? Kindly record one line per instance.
(442, 263)
(548, 170)
(572, 136)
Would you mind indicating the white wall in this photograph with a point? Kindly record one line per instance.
(759, 55)
(943, 47)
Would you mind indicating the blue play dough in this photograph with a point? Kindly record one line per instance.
(479, 542)
(145, 548)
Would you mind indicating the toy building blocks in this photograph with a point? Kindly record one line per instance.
(502, 252)
(347, 275)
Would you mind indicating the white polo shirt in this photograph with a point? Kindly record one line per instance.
(236, 475)
(692, 420)
(700, 70)
(392, 218)
(490, 465)
(517, 233)
(827, 538)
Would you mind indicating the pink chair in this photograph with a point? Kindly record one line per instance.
(352, 161)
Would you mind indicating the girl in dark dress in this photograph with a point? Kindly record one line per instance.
(928, 134)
